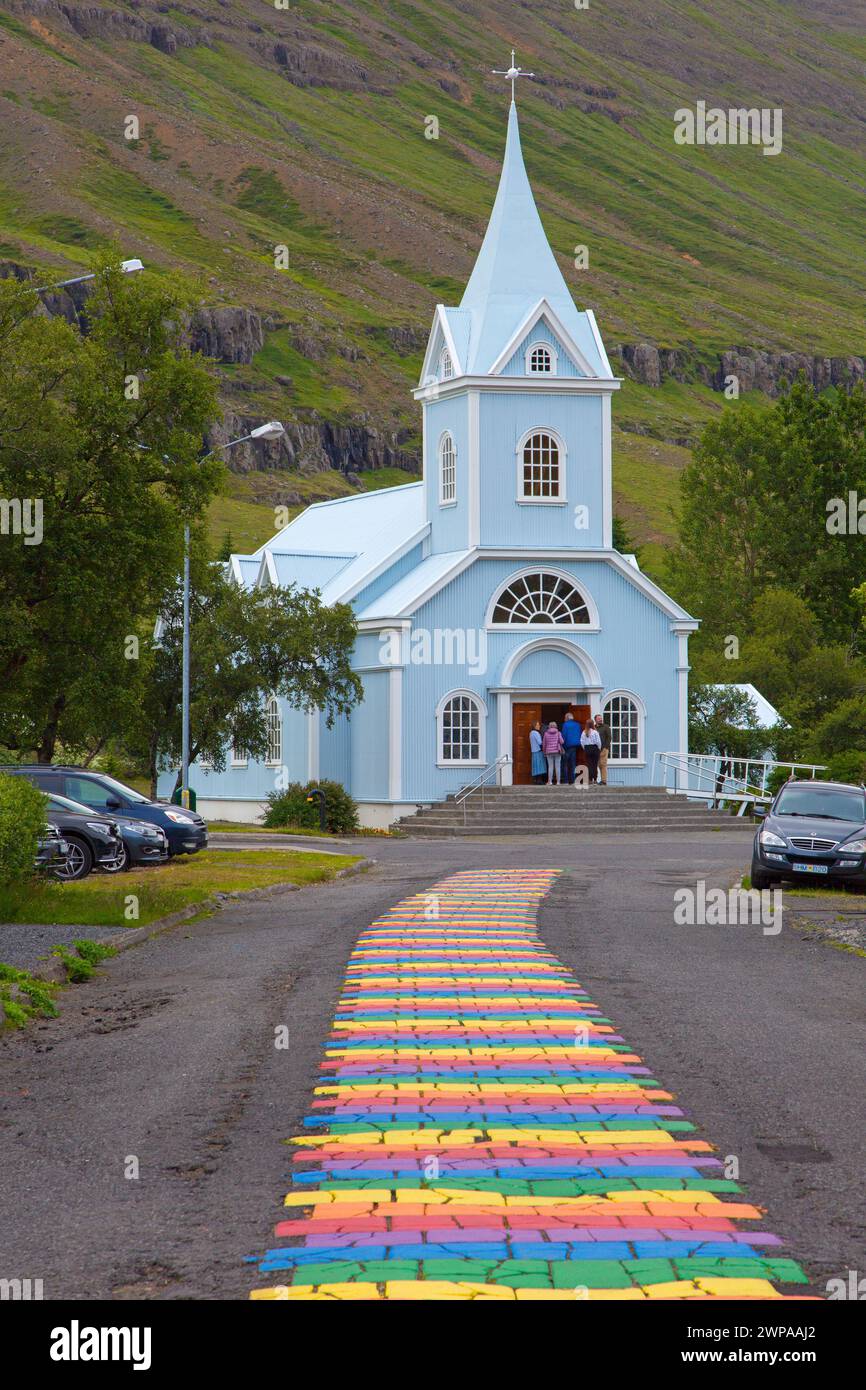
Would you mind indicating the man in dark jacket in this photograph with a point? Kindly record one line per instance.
(571, 739)
(604, 735)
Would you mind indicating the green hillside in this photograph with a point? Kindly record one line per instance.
(305, 128)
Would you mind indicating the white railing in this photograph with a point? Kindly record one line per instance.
(479, 783)
(717, 779)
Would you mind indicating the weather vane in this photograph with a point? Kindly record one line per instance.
(512, 73)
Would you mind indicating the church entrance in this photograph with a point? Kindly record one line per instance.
(523, 716)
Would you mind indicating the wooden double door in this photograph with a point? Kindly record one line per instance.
(523, 716)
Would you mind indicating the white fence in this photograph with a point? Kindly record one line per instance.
(718, 780)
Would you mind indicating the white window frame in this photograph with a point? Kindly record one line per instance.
(481, 709)
(528, 501)
(274, 720)
(447, 438)
(640, 760)
(446, 365)
(592, 625)
(239, 758)
(551, 352)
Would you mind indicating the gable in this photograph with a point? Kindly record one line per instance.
(542, 333)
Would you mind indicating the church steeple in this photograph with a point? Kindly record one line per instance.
(515, 269)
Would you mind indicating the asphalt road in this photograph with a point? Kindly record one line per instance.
(168, 1060)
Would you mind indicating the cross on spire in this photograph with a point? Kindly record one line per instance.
(512, 73)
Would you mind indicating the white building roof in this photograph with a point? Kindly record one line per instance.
(767, 714)
(405, 596)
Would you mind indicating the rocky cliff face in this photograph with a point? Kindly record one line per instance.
(755, 368)
(98, 22)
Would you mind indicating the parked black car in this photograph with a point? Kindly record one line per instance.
(185, 831)
(51, 850)
(92, 841)
(814, 830)
(140, 842)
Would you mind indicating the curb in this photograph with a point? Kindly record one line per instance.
(129, 937)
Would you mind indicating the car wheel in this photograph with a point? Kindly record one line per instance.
(760, 878)
(79, 860)
(120, 863)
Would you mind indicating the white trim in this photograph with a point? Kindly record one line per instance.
(278, 761)
(438, 390)
(594, 624)
(606, 475)
(640, 760)
(345, 595)
(590, 317)
(440, 322)
(543, 310)
(682, 700)
(238, 761)
(551, 352)
(481, 760)
(589, 672)
(443, 500)
(561, 498)
(473, 420)
(395, 733)
(312, 745)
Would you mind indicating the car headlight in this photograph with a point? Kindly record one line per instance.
(144, 827)
(852, 847)
(99, 826)
(770, 840)
(179, 819)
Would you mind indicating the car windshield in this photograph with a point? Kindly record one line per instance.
(65, 803)
(124, 790)
(826, 803)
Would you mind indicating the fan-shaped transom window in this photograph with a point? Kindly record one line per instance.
(447, 470)
(622, 716)
(446, 365)
(460, 730)
(540, 468)
(540, 358)
(541, 598)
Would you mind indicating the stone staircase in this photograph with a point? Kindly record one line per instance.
(542, 810)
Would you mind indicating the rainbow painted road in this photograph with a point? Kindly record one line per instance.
(482, 1131)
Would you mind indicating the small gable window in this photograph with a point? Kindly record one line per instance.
(540, 360)
(545, 598)
(446, 365)
(540, 459)
(447, 471)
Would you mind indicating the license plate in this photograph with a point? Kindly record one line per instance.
(810, 868)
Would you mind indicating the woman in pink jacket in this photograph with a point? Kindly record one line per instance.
(551, 747)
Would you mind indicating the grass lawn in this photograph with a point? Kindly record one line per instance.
(104, 899)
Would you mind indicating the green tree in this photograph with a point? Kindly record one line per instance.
(756, 501)
(245, 645)
(100, 435)
(722, 719)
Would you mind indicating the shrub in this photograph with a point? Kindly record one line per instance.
(291, 808)
(22, 819)
(846, 767)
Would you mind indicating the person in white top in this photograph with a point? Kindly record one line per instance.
(590, 742)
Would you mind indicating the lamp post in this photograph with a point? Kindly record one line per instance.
(272, 430)
(128, 268)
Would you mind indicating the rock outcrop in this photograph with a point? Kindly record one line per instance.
(756, 369)
(229, 334)
(102, 22)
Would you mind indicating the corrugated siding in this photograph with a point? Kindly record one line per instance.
(255, 780)
(505, 418)
(449, 524)
(368, 725)
(387, 578)
(541, 333)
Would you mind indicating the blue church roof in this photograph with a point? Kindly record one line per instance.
(516, 269)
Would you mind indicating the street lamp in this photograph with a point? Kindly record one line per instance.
(272, 430)
(128, 268)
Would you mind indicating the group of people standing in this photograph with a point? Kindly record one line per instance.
(554, 753)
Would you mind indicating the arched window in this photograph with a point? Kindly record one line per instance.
(274, 722)
(540, 468)
(623, 715)
(447, 470)
(542, 597)
(446, 365)
(461, 729)
(539, 358)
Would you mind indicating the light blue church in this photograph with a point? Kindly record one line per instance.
(487, 595)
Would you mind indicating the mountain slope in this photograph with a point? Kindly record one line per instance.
(305, 128)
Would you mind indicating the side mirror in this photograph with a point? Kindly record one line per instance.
(759, 812)
(112, 804)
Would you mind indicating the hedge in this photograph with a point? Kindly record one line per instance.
(23, 815)
(291, 808)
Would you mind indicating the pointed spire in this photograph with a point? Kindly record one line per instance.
(515, 266)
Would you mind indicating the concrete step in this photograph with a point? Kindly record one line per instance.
(534, 828)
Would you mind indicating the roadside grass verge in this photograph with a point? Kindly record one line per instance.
(230, 827)
(134, 899)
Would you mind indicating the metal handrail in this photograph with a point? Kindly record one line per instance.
(478, 783)
(694, 766)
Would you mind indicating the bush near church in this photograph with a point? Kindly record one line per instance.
(22, 822)
(846, 767)
(291, 808)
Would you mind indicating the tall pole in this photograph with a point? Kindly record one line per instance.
(184, 776)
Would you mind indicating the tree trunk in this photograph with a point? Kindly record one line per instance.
(45, 751)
